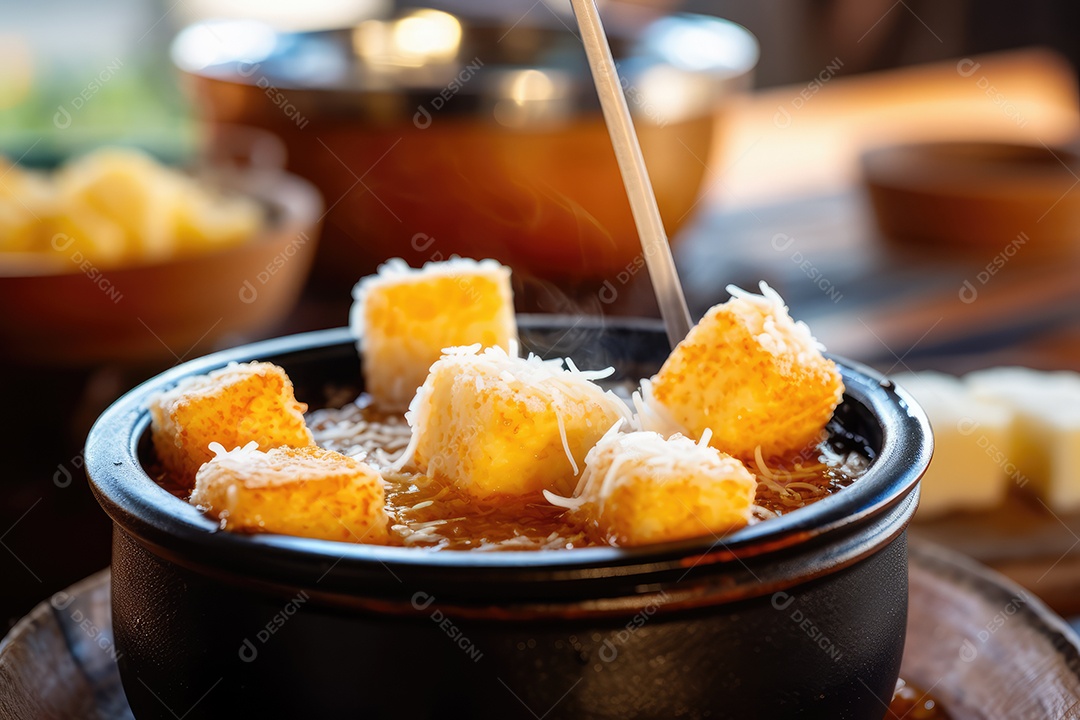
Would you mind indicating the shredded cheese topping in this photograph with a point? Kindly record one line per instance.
(558, 376)
(779, 331)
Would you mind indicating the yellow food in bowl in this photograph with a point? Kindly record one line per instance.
(116, 207)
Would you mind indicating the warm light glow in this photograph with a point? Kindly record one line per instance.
(428, 33)
(420, 38)
(531, 86)
(532, 97)
(371, 41)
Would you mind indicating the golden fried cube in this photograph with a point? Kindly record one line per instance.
(309, 492)
(751, 375)
(404, 318)
(640, 488)
(233, 406)
(500, 425)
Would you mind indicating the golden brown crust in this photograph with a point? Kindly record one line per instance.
(495, 425)
(232, 406)
(405, 318)
(753, 377)
(308, 492)
(641, 488)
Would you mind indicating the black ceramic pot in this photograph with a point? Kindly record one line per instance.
(803, 615)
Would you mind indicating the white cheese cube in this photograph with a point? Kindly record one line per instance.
(1046, 428)
(973, 457)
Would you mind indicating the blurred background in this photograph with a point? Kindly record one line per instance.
(902, 172)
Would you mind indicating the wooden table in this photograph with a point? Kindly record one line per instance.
(788, 192)
(786, 205)
(782, 145)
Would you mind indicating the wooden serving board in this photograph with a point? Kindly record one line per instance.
(981, 645)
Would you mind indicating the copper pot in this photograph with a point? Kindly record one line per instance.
(481, 136)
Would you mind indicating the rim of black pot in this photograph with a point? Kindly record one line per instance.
(150, 513)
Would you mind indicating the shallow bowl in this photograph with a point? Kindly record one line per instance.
(65, 310)
(994, 200)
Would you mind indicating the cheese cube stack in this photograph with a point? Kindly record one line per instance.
(233, 406)
(308, 492)
(404, 318)
(640, 488)
(496, 424)
(749, 374)
(1046, 428)
(972, 445)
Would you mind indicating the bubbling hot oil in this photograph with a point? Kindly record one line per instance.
(431, 513)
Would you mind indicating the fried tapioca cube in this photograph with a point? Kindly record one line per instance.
(235, 405)
(639, 488)
(308, 491)
(404, 318)
(751, 375)
(495, 424)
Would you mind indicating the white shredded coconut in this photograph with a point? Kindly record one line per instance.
(775, 339)
(651, 416)
(565, 443)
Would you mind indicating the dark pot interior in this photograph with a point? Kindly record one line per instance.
(803, 615)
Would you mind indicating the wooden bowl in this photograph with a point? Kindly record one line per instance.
(68, 312)
(991, 198)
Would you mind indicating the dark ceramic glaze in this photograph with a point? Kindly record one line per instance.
(803, 615)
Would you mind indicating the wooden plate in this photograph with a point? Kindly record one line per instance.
(984, 647)
(980, 644)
